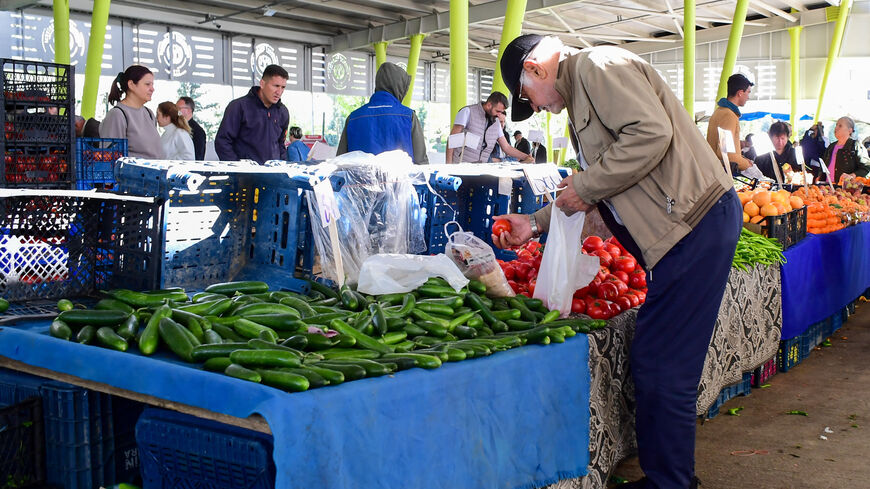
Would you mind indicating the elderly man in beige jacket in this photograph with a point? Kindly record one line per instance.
(667, 199)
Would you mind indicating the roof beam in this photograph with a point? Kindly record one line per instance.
(715, 34)
(773, 10)
(656, 13)
(569, 28)
(283, 10)
(431, 23)
(280, 29)
(355, 9)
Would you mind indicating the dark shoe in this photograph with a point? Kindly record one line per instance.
(641, 484)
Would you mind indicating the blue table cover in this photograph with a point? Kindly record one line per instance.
(516, 419)
(823, 274)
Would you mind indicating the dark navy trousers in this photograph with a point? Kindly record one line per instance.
(673, 332)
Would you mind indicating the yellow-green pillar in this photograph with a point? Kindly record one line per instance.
(61, 31)
(795, 65)
(833, 51)
(689, 57)
(512, 28)
(380, 53)
(733, 46)
(564, 150)
(458, 55)
(413, 61)
(99, 20)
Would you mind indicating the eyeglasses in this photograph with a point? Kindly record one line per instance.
(520, 96)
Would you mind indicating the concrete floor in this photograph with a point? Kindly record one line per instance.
(832, 386)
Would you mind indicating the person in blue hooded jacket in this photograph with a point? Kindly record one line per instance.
(384, 124)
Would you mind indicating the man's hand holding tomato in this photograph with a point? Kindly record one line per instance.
(519, 232)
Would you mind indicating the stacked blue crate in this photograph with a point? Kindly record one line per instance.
(742, 388)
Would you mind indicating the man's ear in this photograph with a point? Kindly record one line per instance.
(534, 69)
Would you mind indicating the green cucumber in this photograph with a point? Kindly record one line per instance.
(227, 333)
(174, 336)
(129, 328)
(393, 337)
(349, 299)
(86, 335)
(113, 304)
(333, 376)
(507, 314)
(373, 369)
(193, 322)
(314, 379)
(424, 316)
(319, 287)
(420, 359)
(60, 329)
(206, 297)
(400, 363)
(379, 319)
(337, 353)
(465, 332)
(287, 381)
(430, 308)
(477, 287)
(279, 322)
(267, 308)
(200, 308)
(392, 299)
(249, 329)
(217, 364)
(413, 330)
(432, 328)
(269, 335)
(211, 337)
(240, 372)
(404, 346)
(316, 342)
(4, 305)
(65, 305)
(362, 340)
(151, 334)
(550, 317)
(324, 319)
(242, 287)
(258, 344)
(265, 358)
(106, 336)
(98, 318)
(204, 352)
(519, 325)
(349, 370)
(297, 341)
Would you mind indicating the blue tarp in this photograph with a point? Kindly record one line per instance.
(517, 419)
(823, 274)
(751, 116)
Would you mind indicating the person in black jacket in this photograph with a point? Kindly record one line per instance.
(522, 143)
(784, 153)
(845, 155)
(813, 147)
(186, 106)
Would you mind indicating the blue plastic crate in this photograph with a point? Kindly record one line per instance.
(185, 452)
(742, 388)
(814, 336)
(95, 161)
(789, 354)
(88, 435)
(837, 320)
(762, 374)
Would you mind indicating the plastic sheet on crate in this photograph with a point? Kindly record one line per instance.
(63, 246)
(367, 415)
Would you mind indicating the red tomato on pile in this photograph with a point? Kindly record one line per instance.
(501, 226)
(619, 285)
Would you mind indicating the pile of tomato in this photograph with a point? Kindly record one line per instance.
(522, 273)
(620, 284)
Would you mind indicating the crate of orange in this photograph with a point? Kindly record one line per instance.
(775, 214)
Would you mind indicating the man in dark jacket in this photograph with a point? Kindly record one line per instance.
(186, 106)
(783, 151)
(521, 143)
(384, 124)
(254, 126)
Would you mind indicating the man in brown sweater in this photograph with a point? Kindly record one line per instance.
(727, 116)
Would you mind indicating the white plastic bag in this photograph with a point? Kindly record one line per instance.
(564, 268)
(477, 261)
(393, 274)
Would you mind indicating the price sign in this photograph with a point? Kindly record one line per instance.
(455, 140)
(326, 203)
(726, 145)
(544, 178)
(536, 136)
(505, 185)
(560, 142)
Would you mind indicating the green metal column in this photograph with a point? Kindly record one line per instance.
(512, 28)
(413, 61)
(61, 31)
(834, 51)
(99, 20)
(733, 46)
(380, 53)
(564, 151)
(549, 140)
(689, 57)
(458, 56)
(795, 62)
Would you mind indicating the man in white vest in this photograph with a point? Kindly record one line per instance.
(481, 119)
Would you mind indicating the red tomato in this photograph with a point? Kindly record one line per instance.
(613, 250)
(633, 298)
(522, 270)
(533, 246)
(614, 307)
(621, 286)
(637, 279)
(621, 275)
(603, 272)
(608, 290)
(578, 306)
(625, 264)
(598, 310)
(515, 286)
(501, 226)
(532, 275)
(623, 302)
(537, 262)
(592, 243)
(532, 285)
(640, 295)
(509, 272)
(525, 256)
(605, 258)
(582, 293)
(615, 241)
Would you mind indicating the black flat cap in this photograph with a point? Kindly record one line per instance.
(512, 67)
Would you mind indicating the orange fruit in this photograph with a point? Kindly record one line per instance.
(745, 217)
(744, 197)
(780, 209)
(751, 208)
(796, 202)
(761, 198)
(768, 210)
(756, 219)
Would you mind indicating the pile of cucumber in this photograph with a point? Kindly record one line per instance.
(296, 342)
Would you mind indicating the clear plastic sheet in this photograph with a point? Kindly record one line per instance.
(379, 208)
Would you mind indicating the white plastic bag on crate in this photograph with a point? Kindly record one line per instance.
(477, 261)
(564, 268)
(393, 274)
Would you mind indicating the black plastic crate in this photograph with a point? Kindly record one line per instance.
(22, 444)
(95, 161)
(65, 246)
(788, 228)
(38, 113)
